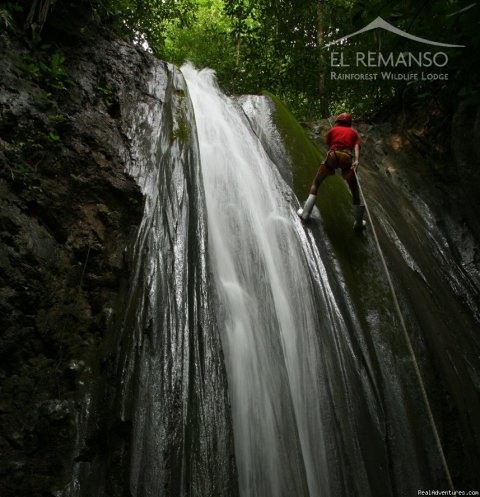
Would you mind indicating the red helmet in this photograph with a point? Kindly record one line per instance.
(344, 117)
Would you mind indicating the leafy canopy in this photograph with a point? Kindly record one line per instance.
(279, 45)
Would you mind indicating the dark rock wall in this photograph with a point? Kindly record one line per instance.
(168, 418)
(423, 206)
(420, 178)
(421, 182)
(68, 211)
(464, 193)
(69, 217)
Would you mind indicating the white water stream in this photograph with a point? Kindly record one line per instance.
(268, 278)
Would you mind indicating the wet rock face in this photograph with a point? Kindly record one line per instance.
(102, 269)
(419, 173)
(440, 164)
(67, 213)
(464, 232)
(260, 112)
(423, 187)
(170, 339)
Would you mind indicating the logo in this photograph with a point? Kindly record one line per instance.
(402, 64)
(381, 23)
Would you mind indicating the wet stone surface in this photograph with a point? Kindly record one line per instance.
(67, 213)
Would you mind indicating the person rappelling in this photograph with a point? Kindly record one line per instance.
(343, 153)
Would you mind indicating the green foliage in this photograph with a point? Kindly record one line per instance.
(280, 45)
(46, 98)
(8, 14)
(430, 20)
(304, 155)
(181, 130)
(334, 201)
(11, 8)
(26, 175)
(47, 69)
(57, 118)
(105, 91)
(77, 178)
(144, 21)
(107, 95)
(206, 42)
(53, 137)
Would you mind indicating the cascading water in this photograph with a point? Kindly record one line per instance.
(320, 383)
(170, 364)
(275, 302)
(322, 395)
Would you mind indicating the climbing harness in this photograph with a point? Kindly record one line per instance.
(409, 344)
(337, 160)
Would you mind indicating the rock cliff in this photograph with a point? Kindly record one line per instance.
(73, 138)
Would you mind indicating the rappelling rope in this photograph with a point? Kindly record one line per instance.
(407, 340)
(409, 344)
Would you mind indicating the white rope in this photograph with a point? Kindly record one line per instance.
(409, 345)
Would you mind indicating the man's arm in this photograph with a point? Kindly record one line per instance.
(356, 160)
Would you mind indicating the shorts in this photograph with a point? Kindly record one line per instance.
(337, 160)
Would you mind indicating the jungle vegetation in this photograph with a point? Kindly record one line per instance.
(282, 46)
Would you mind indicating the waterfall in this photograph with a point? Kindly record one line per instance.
(224, 282)
(170, 364)
(274, 304)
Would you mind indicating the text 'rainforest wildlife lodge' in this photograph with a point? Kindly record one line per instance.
(392, 76)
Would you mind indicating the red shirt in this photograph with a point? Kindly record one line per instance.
(342, 138)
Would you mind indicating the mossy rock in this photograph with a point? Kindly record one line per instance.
(334, 199)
